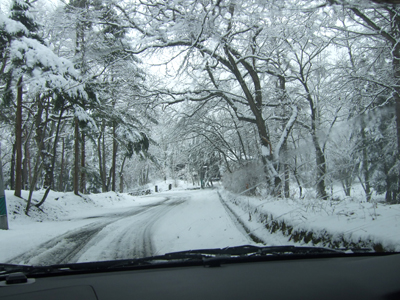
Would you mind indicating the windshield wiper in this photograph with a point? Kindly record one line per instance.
(206, 257)
(13, 268)
(249, 250)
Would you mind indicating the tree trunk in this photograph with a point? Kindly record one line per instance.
(346, 187)
(102, 158)
(83, 174)
(114, 157)
(29, 167)
(39, 138)
(18, 140)
(319, 154)
(295, 170)
(12, 168)
(25, 161)
(46, 155)
(103, 143)
(49, 177)
(76, 158)
(100, 163)
(80, 58)
(109, 179)
(287, 180)
(321, 169)
(255, 105)
(55, 146)
(286, 173)
(28, 156)
(3, 204)
(365, 166)
(36, 171)
(121, 176)
(60, 183)
(25, 166)
(396, 67)
(299, 184)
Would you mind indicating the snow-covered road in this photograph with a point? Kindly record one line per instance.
(180, 220)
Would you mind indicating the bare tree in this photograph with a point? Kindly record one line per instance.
(211, 35)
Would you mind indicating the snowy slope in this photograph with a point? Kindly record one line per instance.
(344, 221)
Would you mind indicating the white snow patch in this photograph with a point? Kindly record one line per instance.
(264, 150)
(10, 26)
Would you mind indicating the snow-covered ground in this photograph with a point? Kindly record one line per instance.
(62, 212)
(114, 226)
(117, 225)
(199, 223)
(346, 218)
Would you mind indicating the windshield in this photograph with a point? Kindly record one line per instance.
(131, 129)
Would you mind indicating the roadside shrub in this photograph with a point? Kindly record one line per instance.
(244, 178)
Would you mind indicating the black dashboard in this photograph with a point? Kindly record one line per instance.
(353, 277)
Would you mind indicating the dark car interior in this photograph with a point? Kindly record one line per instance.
(350, 276)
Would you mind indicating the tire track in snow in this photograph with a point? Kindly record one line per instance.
(144, 246)
(131, 237)
(69, 247)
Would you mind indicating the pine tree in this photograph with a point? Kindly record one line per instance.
(19, 13)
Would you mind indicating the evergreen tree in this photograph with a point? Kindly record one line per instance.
(20, 13)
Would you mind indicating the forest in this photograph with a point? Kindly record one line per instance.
(272, 96)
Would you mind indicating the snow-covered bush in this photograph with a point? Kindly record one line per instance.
(245, 178)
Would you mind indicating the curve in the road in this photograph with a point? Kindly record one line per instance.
(129, 236)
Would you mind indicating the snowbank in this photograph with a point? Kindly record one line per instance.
(332, 223)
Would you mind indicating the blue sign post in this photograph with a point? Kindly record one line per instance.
(3, 205)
